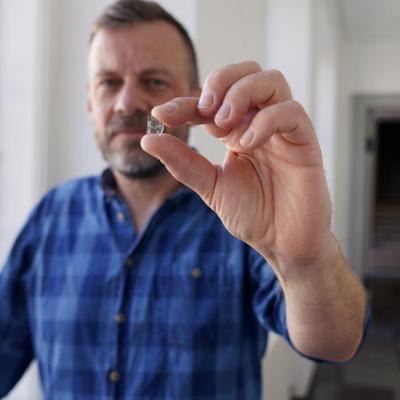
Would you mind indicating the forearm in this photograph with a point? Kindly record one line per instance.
(326, 307)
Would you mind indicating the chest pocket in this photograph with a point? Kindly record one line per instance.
(197, 302)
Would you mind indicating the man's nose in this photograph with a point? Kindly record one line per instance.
(130, 99)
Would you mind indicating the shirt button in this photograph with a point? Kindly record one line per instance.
(120, 216)
(120, 318)
(129, 262)
(114, 376)
(197, 273)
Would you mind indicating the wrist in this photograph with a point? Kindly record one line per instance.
(310, 266)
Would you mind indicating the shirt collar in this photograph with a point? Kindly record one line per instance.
(108, 183)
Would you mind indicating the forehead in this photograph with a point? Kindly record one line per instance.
(140, 46)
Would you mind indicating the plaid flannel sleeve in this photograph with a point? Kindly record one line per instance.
(16, 350)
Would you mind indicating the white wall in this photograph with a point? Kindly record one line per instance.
(288, 46)
(372, 67)
(71, 146)
(326, 80)
(20, 90)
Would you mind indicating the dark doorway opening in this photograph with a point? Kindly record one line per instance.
(388, 163)
(385, 254)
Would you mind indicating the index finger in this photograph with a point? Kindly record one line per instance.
(183, 110)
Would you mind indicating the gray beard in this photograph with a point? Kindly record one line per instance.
(130, 160)
(134, 163)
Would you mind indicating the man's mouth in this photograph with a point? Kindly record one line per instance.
(133, 126)
(130, 132)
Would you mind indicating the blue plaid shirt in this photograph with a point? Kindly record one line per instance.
(180, 311)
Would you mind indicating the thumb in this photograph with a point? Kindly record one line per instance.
(184, 164)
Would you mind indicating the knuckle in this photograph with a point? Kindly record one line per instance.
(218, 76)
(296, 107)
(240, 91)
(277, 75)
(215, 78)
(252, 65)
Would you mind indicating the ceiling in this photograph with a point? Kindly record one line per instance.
(368, 20)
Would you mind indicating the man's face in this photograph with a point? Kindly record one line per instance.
(131, 70)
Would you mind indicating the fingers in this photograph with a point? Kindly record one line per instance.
(287, 120)
(183, 110)
(184, 164)
(238, 88)
(244, 106)
(218, 82)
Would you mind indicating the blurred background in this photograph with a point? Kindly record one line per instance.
(342, 61)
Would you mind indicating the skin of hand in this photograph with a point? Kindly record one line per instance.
(270, 192)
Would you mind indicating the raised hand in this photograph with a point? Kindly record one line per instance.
(270, 191)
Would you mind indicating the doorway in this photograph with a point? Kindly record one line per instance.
(385, 244)
(374, 182)
(375, 209)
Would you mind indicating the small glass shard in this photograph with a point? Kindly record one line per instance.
(154, 126)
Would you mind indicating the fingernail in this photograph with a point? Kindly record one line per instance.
(224, 111)
(247, 137)
(167, 108)
(205, 101)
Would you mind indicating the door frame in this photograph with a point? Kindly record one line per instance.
(367, 111)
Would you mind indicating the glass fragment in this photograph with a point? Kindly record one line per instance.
(154, 126)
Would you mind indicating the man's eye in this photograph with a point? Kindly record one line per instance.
(156, 84)
(109, 83)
